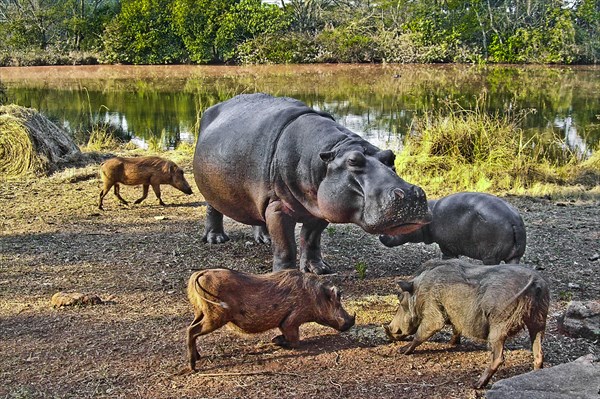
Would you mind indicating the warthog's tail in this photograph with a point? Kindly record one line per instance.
(509, 307)
(199, 288)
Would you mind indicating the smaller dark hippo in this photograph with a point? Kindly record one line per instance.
(477, 225)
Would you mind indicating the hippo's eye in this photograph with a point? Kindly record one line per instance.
(356, 159)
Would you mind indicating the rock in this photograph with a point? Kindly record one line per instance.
(594, 257)
(581, 320)
(578, 379)
(61, 299)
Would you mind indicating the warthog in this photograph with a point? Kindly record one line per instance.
(257, 303)
(483, 302)
(147, 171)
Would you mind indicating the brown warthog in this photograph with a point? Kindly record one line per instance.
(257, 303)
(147, 171)
(483, 302)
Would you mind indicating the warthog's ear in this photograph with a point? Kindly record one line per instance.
(406, 286)
(327, 156)
(404, 297)
(334, 292)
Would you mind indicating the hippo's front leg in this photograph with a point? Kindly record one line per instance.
(213, 231)
(281, 226)
(310, 247)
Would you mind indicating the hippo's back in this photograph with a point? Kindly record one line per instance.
(481, 226)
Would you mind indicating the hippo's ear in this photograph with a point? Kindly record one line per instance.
(327, 156)
(386, 157)
(406, 286)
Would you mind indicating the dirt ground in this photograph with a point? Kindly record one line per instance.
(138, 259)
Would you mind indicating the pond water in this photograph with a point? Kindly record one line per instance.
(379, 102)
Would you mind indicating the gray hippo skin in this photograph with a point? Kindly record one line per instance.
(477, 225)
(272, 162)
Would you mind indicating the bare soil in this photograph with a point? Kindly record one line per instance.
(138, 259)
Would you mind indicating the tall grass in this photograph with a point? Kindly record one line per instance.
(102, 138)
(469, 150)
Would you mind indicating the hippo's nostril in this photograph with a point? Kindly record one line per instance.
(399, 193)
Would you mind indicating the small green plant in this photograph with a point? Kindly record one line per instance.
(361, 269)
(330, 231)
(565, 296)
(154, 144)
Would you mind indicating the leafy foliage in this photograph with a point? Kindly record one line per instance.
(141, 34)
(301, 31)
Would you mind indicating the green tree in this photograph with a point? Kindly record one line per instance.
(587, 30)
(63, 25)
(245, 21)
(142, 33)
(197, 23)
(32, 23)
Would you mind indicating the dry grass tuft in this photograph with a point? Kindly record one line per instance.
(31, 144)
(469, 150)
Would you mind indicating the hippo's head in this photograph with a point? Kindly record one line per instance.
(365, 190)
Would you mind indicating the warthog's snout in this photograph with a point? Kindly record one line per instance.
(392, 335)
(348, 323)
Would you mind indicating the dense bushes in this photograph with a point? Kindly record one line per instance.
(300, 31)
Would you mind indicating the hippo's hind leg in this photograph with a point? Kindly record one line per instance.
(310, 248)
(213, 231)
(261, 234)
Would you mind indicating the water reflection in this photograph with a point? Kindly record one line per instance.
(378, 102)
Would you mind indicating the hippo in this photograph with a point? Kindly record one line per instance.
(272, 162)
(477, 225)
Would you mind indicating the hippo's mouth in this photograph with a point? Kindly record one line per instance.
(404, 228)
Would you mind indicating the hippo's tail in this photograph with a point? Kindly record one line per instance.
(196, 292)
(519, 243)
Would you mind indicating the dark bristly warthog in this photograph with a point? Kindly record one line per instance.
(477, 225)
(272, 162)
(147, 171)
(482, 302)
(257, 303)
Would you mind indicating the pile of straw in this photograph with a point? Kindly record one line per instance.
(32, 144)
